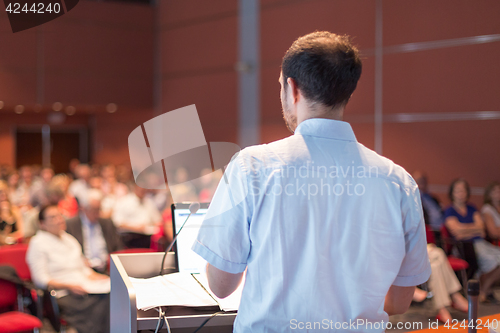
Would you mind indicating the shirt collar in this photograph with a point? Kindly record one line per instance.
(326, 128)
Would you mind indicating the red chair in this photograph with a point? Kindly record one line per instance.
(15, 256)
(14, 321)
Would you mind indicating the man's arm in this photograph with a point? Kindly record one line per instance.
(74, 288)
(222, 283)
(398, 299)
(464, 230)
(493, 230)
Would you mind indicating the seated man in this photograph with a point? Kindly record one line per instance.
(137, 218)
(98, 237)
(56, 262)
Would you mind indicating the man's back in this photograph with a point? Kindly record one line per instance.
(330, 224)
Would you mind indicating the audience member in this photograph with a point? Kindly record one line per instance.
(181, 188)
(22, 194)
(111, 189)
(124, 176)
(11, 222)
(5, 171)
(165, 235)
(491, 210)
(73, 165)
(39, 192)
(207, 184)
(98, 237)
(465, 224)
(433, 213)
(443, 283)
(79, 187)
(12, 182)
(56, 262)
(31, 223)
(58, 193)
(137, 218)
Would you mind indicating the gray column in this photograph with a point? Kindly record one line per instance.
(248, 69)
(378, 76)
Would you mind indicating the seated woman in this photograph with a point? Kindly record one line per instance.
(443, 283)
(491, 210)
(11, 223)
(58, 193)
(465, 224)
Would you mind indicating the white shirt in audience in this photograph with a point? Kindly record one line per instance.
(56, 258)
(489, 209)
(132, 210)
(79, 188)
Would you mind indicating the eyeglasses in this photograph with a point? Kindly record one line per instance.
(53, 217)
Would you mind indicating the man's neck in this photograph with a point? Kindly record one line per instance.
(319, 112)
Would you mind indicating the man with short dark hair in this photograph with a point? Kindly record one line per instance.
(330, 234)
(56, 262)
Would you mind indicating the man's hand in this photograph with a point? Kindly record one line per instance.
(222, 283)
(398, 300)
(76, 289)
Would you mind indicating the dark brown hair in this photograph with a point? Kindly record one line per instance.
(487, 192)
(454, 183)
(325, 67)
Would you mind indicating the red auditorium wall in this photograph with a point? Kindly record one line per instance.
(447, 81)
(98, 53)
(199, 52)
(446, 73)
(439, 73)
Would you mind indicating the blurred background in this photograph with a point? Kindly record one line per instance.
(428, 98)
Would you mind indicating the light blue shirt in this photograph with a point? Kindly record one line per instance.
(94, 244)
(324, 227)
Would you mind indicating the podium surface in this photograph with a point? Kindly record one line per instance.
(125, 318)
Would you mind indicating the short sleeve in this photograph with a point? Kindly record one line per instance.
(448, 212)
(223, 239)
(415, 268)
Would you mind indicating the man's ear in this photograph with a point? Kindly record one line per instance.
(292, 85)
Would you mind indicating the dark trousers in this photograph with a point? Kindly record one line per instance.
(467, 253)
(131, 240)
(87, 314)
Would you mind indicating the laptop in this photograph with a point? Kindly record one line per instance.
(186, 260)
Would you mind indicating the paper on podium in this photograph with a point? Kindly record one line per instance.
(176, 289)
(231, 302)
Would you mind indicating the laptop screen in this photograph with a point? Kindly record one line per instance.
(187, 260)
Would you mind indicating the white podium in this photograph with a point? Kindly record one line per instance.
(125, 318)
